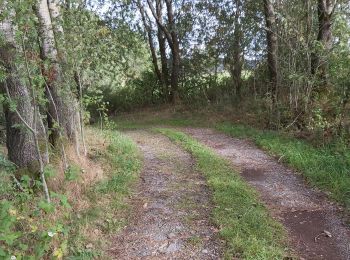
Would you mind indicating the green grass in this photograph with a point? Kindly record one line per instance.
(76, 225)
(123, 157)
(327, 168)
(176, 117)
(243, 221)
(130, 124)
(109, 208)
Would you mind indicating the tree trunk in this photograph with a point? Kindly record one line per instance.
(271, 38)
(320, 62)
(173, 41)
(19, 140)
(162, 51)
(65, 105)
(175, 48)
(148, 29)
(237, 50)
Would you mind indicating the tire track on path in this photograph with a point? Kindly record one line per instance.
(314, 224)
(171, 208)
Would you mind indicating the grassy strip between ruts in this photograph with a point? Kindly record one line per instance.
(326, 168)
(244, 222)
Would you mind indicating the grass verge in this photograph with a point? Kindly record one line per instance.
(108, 209)
(89, 202)
(324, 167)
(244, 222)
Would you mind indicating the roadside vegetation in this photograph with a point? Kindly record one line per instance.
(243, 221)
(89, 202)
(278, 66)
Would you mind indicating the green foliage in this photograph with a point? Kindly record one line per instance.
(121, 154)
(325, 167)
(244, 222)
(23, 235)
(72, 173)
(31, 228)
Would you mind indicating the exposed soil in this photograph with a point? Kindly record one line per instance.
(314, 224)
(172, 207)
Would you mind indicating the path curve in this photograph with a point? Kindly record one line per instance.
(314, 224)
(171, 209)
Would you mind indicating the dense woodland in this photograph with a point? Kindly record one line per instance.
(75, 61)
(66, 64)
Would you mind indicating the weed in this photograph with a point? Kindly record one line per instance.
(83, 216)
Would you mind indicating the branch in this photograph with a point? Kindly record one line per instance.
(16, 111)
(161, 26)
(143, 16)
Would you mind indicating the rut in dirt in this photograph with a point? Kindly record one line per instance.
(314, 224)
(171, 208)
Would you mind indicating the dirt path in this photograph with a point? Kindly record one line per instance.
(305, 213)
(172, 207)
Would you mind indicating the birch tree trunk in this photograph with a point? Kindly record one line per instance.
(65, 106)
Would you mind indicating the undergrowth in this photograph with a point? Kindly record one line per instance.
(324, 167)
(78, 223)
(244, 222)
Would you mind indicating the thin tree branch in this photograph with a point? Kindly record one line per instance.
(161, 26)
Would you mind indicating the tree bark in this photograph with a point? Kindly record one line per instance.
(271, 38)
(320, 62)
(162, 51)
(19, 140)
(148, 29)
(237, 50)
(65, 106)
(175, 52)
(173, 41)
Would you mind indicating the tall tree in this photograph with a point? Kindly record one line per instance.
(62, 104)
(271, 37)
(237, 49)
(25, 130)
(19, 140)
(173, 41)
(325, 9)
(162, 49)
(147, 25)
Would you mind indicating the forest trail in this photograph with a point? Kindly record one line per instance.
(171, 208)
(314, 224)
